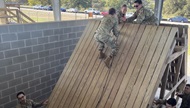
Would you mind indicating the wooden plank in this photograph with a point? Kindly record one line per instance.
(123, 51)
(26, 16)
(130, 68)
(73, 71)
(142, 61)
(164, 82)
(159, 69)
(144, 82)
(83, 97)
(175, 87)
(175, 55)
(101, 85)
(69, 65)
(80, 70)
(142, 72)
(130, 49)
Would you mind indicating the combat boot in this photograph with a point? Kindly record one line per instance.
(107, 61)
(102, 55)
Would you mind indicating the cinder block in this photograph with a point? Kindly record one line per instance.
(59, 56)
(5, 46)
(55, 63)
(59, 68)
(59, 44)
(43, 54)
(75, 41)
(64, 61)
(72, 35)
(11, 53)
(16, 28)
(55, 75)
(13, 68)
(42, 26)
(2, 55)
(6, 62)
(11, 104)
(53, 25)
(71, 23)
(29, 90)
(68, 54)
(35, 94)
(26, 64)
(31, 42)
(24, 35)
(54, 51)
(21, 73)
(51, 82)
(18, 44)
(2, 71)
(26, 50)
(3, 29)
(36, 34)
(3, 86)
(28, 78)
(9, 37)
(40, 74)
(44, 66)
(38, 48)
(63, 24)
(79, 34)
(30, 27)
(33, 69)
(39, 61)
(48, 32)
(22, 87)
(64, 49)
(49, 46)
(4, 100)
(63, 37)
(53, 38)
(45, 78)
(50, 71)
(19, 59)
(15, 82)
(46, 90)
(67, 42)
(32, 56)
(43, 40)
(76, 29)
(34, 82)
(49, 58)
(72, 47)
(67, 30)
(40, 86)
(8, 91)
(58, 31)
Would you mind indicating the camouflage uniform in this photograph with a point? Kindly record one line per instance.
(119, 16)
(108, 23)
(143, 16)
(185, 100)
(29, 104)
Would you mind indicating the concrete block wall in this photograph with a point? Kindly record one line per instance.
(32, 56)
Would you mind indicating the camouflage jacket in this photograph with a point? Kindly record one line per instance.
(29, 104)
(185, 100)
(143, 16)
(108, 23)
(119, 16)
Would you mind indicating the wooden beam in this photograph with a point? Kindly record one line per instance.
(176, 55)
(175, 87)
(164, 82)
(26, 16)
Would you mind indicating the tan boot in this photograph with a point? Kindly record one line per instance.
(107, 61)
(102, 55)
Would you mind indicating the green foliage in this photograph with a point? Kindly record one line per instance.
(37, 2)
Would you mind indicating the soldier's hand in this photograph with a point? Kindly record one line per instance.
(123, 19)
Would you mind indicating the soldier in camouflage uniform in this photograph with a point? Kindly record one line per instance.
(27, 103)
(142, 15)
(185, 97)
(108, 23)
(121, 14)
(170, 103)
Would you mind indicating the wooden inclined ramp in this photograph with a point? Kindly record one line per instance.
(133, 78)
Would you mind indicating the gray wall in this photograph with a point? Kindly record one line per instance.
(32, 56)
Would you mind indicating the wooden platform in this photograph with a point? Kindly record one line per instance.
(133, 78)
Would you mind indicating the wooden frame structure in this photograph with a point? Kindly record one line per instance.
(175, 74)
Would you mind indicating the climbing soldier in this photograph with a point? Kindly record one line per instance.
(108, 23)
(121, 14)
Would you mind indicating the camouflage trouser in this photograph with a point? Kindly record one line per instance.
(103, 39)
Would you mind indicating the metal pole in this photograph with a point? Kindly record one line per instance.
(56, 10)
(158, 10)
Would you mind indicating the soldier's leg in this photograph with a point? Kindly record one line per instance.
(100, 47)
(113, 45)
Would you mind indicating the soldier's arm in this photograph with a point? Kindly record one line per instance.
(140, 18)
(36, 105)
(160, 101)
(115, 29)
